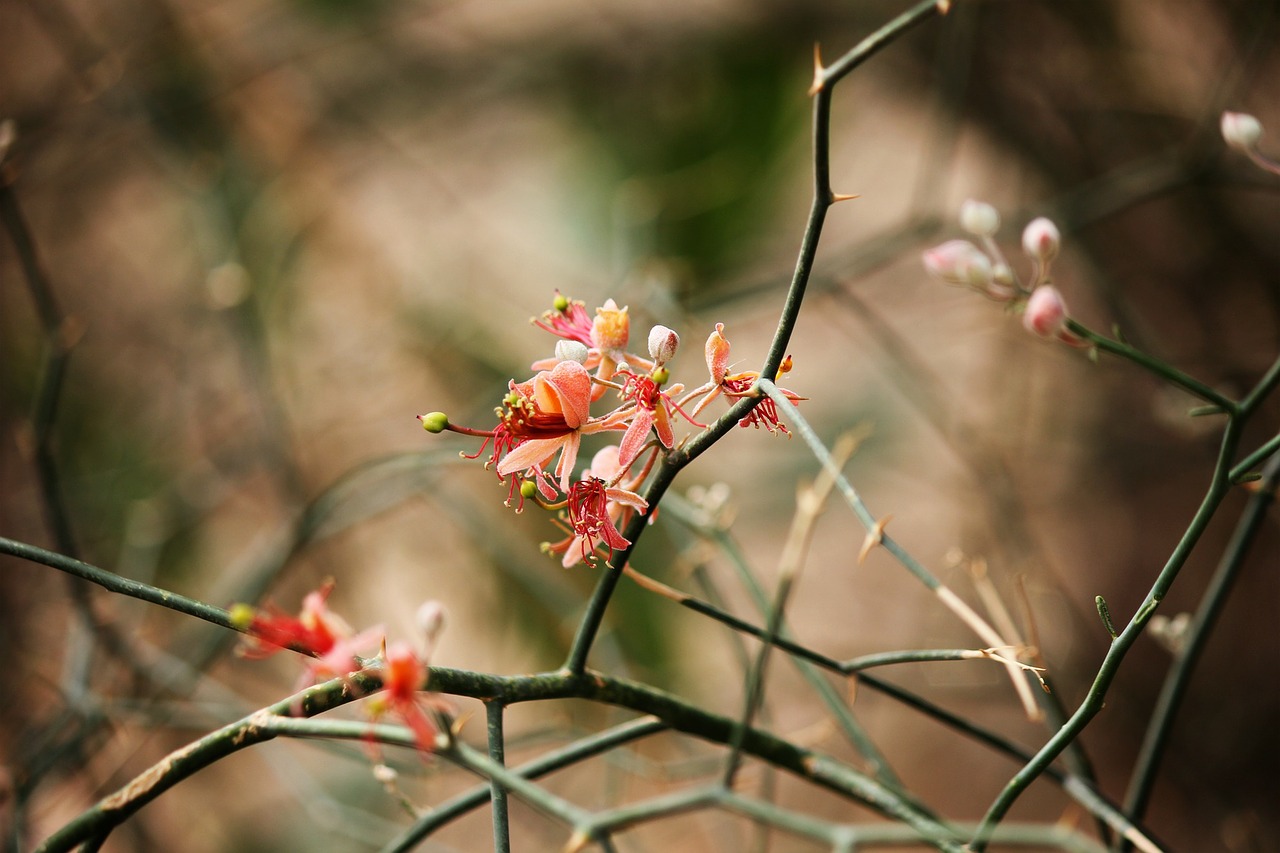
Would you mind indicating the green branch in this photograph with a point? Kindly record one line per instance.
(1092, 703)
(1155, 366)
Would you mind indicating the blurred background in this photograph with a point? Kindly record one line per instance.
(276, 232)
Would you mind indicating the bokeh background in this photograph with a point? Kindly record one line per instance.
(279, 230)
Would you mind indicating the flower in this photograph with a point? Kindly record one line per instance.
(650, 410)
(316, 630)
(597, 509)
(605, 336)
(546, 415)
(736, 385)
(403, 676)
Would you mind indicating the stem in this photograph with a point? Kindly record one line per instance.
(1092, 703)
(115, 583)
(498, 794)
(555, 760)
(1179, 675)
(1245, 466)
(1155, 366)
(822, 199)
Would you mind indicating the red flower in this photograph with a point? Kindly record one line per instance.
(596, 510)
(403, 676)
(316, 630)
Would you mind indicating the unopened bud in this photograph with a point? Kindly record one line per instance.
(1040, 240)
(435, 422)
(567, 350)
(959, 262)
(979, 218)
(431, 620)
(1241, 131)
(663, 343)
(1046, 312)
(241, 616)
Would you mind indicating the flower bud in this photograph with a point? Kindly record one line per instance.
(979, 218)
(959, 262)
(241, 616)
(567, 350)
(436, 422)
(717, 351)
(1046, 312)
(662, 344)
(1040, 240)
(1241, 131)
(431, 620)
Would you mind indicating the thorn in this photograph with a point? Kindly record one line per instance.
(818, 81)
(577, 841)
(838, 197)
(874, 537)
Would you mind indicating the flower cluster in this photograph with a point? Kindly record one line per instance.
(983, 268)
(332, 645)
(534, 445)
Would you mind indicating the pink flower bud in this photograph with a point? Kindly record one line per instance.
(979, 218)
(1241, 131)
(1040, 240)
(1046, 312)
(959, 262)
(662, 344)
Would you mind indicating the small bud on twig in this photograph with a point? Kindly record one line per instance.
(663, 343)
(979, 218)
(1241, 131)
(1040, 240)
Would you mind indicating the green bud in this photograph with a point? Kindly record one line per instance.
(435, 422)
(528, 489)
(241, 616)
(661, 375)
(561, 303)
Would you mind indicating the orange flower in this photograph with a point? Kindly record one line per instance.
(547, 415)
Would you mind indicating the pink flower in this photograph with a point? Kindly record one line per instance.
(596, 510)
(547, 415)
(605, 336)
(736, 385)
